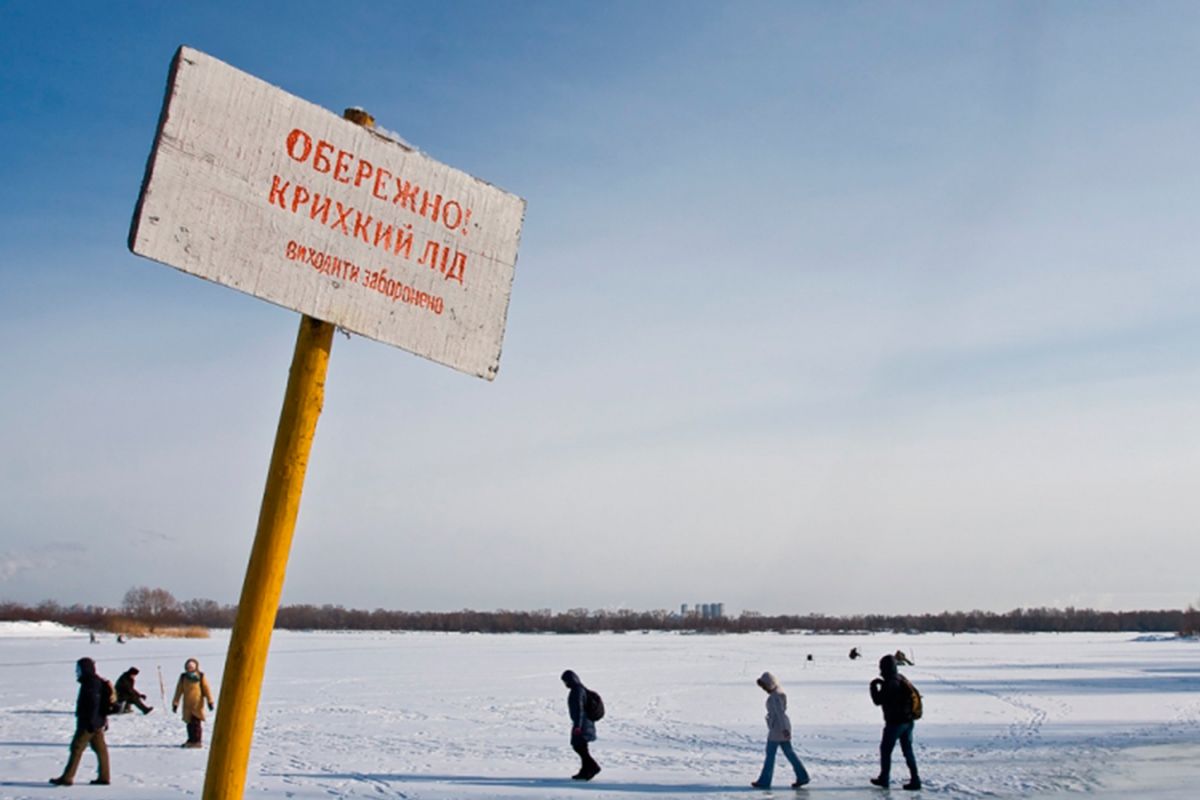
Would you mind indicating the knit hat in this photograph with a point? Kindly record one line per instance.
(768, 682)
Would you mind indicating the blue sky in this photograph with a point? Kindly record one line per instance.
(819, 307)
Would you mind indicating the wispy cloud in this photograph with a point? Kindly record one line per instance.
(147, 536)
(13, 563)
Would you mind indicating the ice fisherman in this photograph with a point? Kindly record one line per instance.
(583, 730)
(894, 693)
(193, 689)
(91, 719)
(779, 734)
(128, 695)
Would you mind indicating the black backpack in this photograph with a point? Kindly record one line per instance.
(108, 697)
(593, 706)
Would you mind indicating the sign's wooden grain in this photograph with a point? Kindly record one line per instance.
(256, 189)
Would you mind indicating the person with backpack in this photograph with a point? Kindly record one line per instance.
(91, 719)
(193, 689)
(583, 726)
(901, 705)
(779, 735)
(128, 696)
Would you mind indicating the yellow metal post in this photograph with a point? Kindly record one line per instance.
(246, 660)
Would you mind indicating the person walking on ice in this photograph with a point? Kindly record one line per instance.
(193, 689)
(779, 735)
(583, 730)
(91, 718)
(901, 704)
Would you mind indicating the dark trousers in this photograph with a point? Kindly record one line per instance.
(132, 700)
(195, 730)
(893, 731)
(587, 764)
(82, 741)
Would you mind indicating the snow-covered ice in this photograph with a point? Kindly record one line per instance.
(30, 629)
(444, 716)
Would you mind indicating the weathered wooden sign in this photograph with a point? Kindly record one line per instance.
(257, 189)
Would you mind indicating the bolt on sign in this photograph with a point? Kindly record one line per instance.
(259, 190)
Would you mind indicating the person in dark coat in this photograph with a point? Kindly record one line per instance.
(892, 692)
(91, 718)
(127, 695)
(583, 730)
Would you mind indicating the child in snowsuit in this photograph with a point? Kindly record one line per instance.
(892, 692)
(91, 718)
(194, 690)
(127, 695)
(779, 735)
(583, 730)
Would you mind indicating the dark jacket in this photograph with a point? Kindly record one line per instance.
(891, 692)
(576, 695)
(91, 711)
(125, 690)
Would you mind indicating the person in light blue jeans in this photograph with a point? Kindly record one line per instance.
(779, 735)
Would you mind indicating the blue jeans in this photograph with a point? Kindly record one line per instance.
(768, 770)
(893, 731)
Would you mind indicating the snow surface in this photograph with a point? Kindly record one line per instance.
(27, 629)
(443, 716)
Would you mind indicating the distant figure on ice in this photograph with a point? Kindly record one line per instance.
(91, 718)
(92, 638)
(128, 696)
(900, 702)
(583, 729)
(854, 654)
(903, 660)
(193, 689)
(779, 735)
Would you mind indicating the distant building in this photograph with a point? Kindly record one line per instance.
(702, 611)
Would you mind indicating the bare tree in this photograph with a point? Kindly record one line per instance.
(150, 605)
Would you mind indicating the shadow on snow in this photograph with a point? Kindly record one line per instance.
(633, 787)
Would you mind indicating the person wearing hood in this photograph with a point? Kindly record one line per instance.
(193, 689)
(892, 692)
(91, 718)
(779, 735)
(583, 730)
(128, 695)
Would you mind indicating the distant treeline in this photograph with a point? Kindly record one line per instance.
(158, 608)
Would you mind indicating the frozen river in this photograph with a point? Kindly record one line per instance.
(440, 716)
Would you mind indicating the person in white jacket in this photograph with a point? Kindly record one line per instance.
(779, 735)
